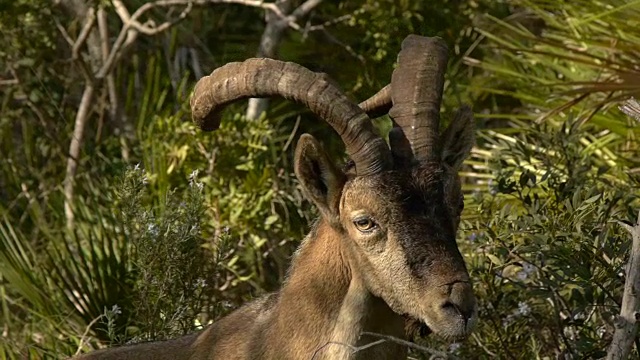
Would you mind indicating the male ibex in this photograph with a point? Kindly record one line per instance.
(384, 247)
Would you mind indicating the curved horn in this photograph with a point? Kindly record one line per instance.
(416, 90)
(379, 104)
(268, 77)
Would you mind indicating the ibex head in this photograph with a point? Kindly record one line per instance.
(396, 209)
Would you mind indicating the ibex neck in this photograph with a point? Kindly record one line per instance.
(324, 305)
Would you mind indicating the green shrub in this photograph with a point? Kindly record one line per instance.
(129, 271)
(544, 249)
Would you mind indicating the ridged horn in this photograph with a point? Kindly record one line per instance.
(379, 104)
(267, 77)
(416, 91)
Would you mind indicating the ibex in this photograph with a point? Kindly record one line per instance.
(384, 248)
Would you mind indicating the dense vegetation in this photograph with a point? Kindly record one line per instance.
(169, 228)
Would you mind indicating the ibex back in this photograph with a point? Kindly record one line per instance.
(384, 248)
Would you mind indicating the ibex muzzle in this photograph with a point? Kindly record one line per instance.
(384, 247)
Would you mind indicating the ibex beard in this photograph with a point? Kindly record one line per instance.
(384, 248)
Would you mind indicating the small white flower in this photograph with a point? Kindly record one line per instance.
(570, 332)
(193, 180)
(116, 309)
(522, 275)
(193, 176)
(201, 282)
(145, 179)
(508, 320)
(153, 230)
(523, 308)
(528, 268)
(601, 331)
(137, 167)
(227, 304)
(454, 347)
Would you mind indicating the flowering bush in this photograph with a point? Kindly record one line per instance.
(543, 247)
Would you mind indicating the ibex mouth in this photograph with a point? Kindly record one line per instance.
(415, 328)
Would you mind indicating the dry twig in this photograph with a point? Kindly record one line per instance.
(435, 354)
(626, 323)
(277, 23)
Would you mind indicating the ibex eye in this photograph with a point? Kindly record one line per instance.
(364, 224)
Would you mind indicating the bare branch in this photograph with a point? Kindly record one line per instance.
(103, 29)
(195, 63)
(130, 21)
(64, 33)
(354, 349)
(167, 3)
(77, 7)
(346, 47)
(132, 26)
(414, 346)
(277, 23)
(303, 10)
(74, 150)
(77, 44)
(331, 22)
(626, 323)
(269, 43)
(8, 81)
(114, 102)
(84, 33)
(382, 339)
(86, 333)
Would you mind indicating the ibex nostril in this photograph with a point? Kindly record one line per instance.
(461, 295)
(449, 306)
(464, 311)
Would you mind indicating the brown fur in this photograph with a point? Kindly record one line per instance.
(343, 281)
(304, 318)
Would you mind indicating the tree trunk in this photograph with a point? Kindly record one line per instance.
(627, 322)
(269, 43)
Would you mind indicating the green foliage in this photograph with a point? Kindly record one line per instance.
(549, 59)
(545, 250)
(129, 271)
(170, 261)
(250, 191)
(154, 256)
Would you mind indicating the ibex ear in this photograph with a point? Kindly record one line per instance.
(458, 139)
(321, 180)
